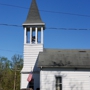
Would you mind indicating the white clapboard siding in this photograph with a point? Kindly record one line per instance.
(71, 80)
(31, 52)
(24, 83)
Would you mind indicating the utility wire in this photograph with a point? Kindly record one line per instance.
(10, 25)
(68, 29)
(66, 13)
(13, 6)
(51, 28)
(46, 10)
(10, 50)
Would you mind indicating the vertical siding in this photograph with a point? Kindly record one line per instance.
(71, 80)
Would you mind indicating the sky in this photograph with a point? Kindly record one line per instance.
(66, 14)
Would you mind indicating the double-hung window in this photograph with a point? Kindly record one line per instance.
(59, 83)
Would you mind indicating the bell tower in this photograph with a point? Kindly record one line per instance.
(33, 44)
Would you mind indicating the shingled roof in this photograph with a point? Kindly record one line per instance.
(64, 58)
(33, 17)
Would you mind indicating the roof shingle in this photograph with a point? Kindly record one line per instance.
(64, 58)
(33, 17)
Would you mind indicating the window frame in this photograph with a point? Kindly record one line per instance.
(58, 83)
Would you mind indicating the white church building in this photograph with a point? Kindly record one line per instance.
(51, 69)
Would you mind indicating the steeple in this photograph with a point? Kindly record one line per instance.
(33, 26)
(33, 17)
(33, 44)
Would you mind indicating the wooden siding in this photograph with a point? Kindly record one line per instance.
(30, 56)
(31, 52)
(24, 82)
(71, 80)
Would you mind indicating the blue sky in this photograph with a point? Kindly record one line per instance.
(11, 38)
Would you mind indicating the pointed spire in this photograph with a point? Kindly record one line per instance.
(33, 17)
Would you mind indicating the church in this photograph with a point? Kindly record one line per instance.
(51, 69)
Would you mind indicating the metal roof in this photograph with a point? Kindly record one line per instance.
(64, 58)
(33, 17)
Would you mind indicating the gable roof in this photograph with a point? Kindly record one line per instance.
(64, 58)
(33, 17)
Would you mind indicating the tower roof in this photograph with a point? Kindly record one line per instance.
(33, 17)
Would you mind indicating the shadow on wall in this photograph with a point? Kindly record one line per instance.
(32, 85)
(35, 66)
(76, 85)
(49, 83)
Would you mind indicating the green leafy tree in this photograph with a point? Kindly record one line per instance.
(17, 63)
(5, 73)
(10, 72)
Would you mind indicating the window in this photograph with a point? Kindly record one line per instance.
(58, 83)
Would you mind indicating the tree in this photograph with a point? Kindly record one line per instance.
(17, 63)
(5, 73)
(8, 68)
